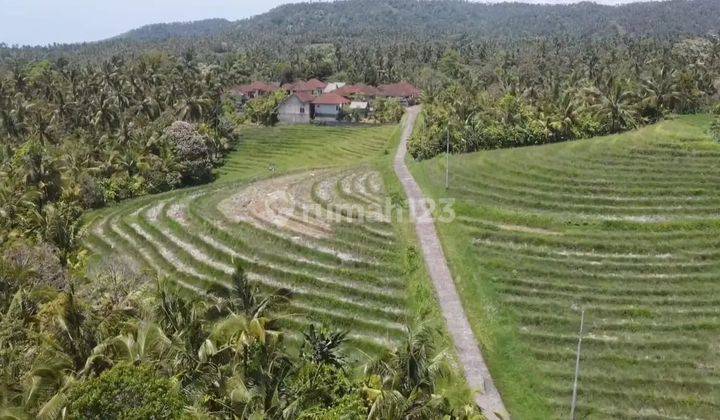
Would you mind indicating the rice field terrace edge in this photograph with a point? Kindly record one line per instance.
(364, 276)
(626, 227)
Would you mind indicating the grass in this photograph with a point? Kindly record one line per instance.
(363, 277)
(626, 227)
(264, 152)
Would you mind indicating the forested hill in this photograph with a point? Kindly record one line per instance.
(164, 31)
(383, 23)
(512, 20)
(326, 21)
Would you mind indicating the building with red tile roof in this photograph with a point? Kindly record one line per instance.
(331, 98)
(308, 101)
(297, 108)
(254, 89)
(313, 86)
(360, 90)
(328, 107)
(403, 91)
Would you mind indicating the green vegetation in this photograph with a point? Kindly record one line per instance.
(263, 110)
(267, 151)
(510, 108)
(625, 227)
(373, 37)
(126, 392)
(388, 111)
(228, 293)
(81, 137)
(233, 315)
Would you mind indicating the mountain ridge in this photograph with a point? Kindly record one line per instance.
(339, 19)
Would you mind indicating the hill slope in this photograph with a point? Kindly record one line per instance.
(625, 227)
(164, 31)
(346, 275)
(512, 20)
(328, 21)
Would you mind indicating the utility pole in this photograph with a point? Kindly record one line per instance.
(447, 158)
(577, 367)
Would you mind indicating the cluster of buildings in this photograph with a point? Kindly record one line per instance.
(314, 100)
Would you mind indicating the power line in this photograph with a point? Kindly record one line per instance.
(577, 367)
(447, 159)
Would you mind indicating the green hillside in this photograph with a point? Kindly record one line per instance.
(359, 275)
(626, 227)
(348, 276)
(328, 21)
(267, 151)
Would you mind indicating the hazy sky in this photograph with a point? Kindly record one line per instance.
(45, 21)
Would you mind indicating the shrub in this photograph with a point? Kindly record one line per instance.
(324, 391)
(92, 194)
(264, 110)
(388, 111)
(715, 127)
(353, 115)
(126, 392)
(350, 407)
(192, 152)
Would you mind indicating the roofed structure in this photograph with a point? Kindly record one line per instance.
(314, 86)
(331, 98)
(403, 90)
(358, 90)
(255, 89)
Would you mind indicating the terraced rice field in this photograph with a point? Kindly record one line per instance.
(300, 231)
(626, 227)
(267, 151)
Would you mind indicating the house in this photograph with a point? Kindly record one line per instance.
(312, 86)
(315, 100)
(296, 109)
(315, 86)
(328, 106)
(254, 89)
(363, 92)
(405, 92)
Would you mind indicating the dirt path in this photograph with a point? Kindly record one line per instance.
(476, 371)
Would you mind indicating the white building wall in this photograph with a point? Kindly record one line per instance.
(293, 111)
(327, 110)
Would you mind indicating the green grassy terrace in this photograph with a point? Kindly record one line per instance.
(268, 151)
(626, 227)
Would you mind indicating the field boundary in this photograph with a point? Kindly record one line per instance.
(475, 369)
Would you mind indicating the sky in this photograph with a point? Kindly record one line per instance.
(40, 22)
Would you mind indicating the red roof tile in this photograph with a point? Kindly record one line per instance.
(402, 89)
(331, 98)
(301, 86)
(363, 90)
(314, 84)
(256, 86)
(305, 96)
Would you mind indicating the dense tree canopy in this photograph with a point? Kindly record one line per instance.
(610, 86)
(81, 136)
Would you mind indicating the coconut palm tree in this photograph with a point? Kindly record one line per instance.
(323, 346)
(407, 377)
(613, 103)
(147, 344)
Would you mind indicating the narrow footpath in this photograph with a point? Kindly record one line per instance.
(476, 371)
